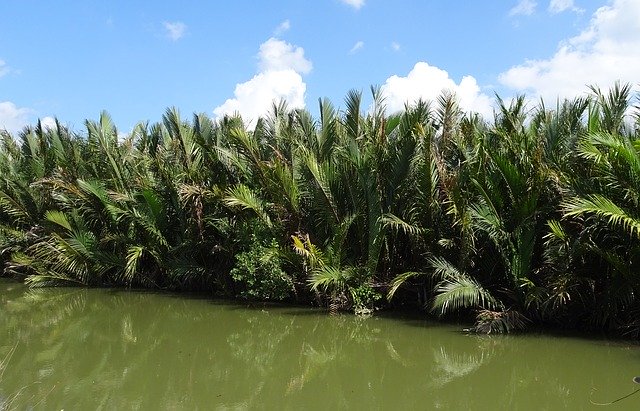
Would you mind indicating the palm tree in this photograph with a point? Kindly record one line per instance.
(606, 209)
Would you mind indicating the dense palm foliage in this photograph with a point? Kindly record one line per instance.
(531, 217)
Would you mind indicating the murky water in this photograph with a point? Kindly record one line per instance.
(79, 349)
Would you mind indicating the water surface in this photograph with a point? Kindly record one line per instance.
(80, 349)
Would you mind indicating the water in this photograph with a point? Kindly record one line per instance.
(79, 349)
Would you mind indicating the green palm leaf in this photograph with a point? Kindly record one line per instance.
(134, 255)
(605, 208)
(399, 280)
(59, 218)
(308, 251)
(330, 277)
(321, 178)
(394, 222)
(457, 290)
(460, 292)
(243, 197)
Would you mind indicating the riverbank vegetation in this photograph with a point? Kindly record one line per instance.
(531, 217)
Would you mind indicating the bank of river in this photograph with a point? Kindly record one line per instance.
(78, 349)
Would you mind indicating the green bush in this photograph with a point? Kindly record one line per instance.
(258, 274)
(365, 297)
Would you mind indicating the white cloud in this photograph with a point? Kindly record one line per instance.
(276, 54)
(175, 30)
(558, 6)
(254, 98)
(48, 122)
(428, 82)
(356, 47)
(356, 4)
(524, 8)
(395, 46)
(4, 69)
(12, 117)
(122, 136)
(601, 54)
(282, 28)
(281, 66)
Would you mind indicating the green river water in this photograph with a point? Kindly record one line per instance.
(80, 349)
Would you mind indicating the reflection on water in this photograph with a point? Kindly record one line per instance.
(104, 349)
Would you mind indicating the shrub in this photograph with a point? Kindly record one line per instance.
(258, 273)
(365, 298)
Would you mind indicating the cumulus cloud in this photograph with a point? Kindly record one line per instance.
(175, 30)
(277, 55)
(12, 117)
(523, 8)
(428, 82)
(558, 6)
(356, 4)
(356, 47)
(48, 122)
(606, 51)
(281, 66)
(282, 28)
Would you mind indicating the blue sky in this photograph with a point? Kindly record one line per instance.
(136, 58)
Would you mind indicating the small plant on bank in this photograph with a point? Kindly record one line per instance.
(258, 273)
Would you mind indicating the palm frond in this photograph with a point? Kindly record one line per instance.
(352, 115)
(456, 290)
(308, 251)
(134, 255)
(503, 321)
(443, 269)
(487, 220)
(605, 208)
(50, 279)
(323, 183)
(460, 292)
(557, 232)
(59, 218)
(13, 207)
(243, 197)
(394, 222)
(399, 280)
(330, 277)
